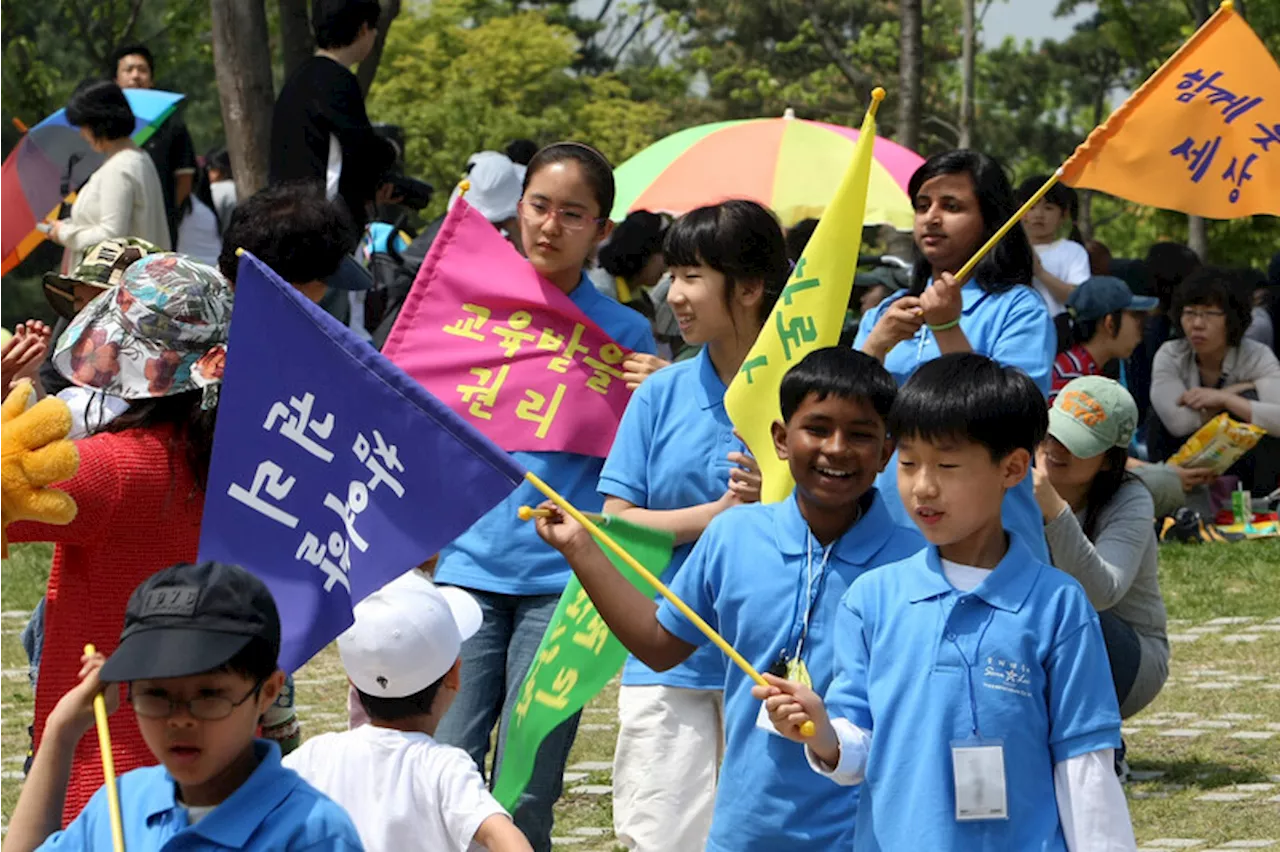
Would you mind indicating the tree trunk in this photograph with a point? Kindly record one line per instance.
(909, 73)
(369, 67)
(966, 76)
(296, 41)
(242, 66)
(1198, 237)
(1084, 219)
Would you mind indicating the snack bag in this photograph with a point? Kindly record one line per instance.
(1218, 444)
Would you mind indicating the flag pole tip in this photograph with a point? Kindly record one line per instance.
(463, 187)
(1228, 5)
(239, 252)
(525, 513)
(807, 729)
(789, 114)
(877, 94)
(89, 650)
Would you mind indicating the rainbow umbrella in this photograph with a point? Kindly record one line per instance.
(51, 158)
(790, 165)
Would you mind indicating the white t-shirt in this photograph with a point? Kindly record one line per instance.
(1065, 259)
(402, 790)
(198, 236)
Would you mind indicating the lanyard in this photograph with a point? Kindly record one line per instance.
(969, 667)
(810, 593)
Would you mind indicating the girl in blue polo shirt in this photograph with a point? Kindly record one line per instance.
(675, 465)
(961, 198)
(517, 580)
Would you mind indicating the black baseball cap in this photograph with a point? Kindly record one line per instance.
(191, 619)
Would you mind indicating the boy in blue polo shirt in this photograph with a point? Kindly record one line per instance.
(198, 653)
(768, 578)
(972, 697)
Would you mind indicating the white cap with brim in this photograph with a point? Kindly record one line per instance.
(496, 186)
(407, 636)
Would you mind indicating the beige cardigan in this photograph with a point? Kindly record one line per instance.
(1175, 371)
(121, 199)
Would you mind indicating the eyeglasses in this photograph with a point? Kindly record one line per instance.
(1192, 314)
(207, 708)
(536, 212)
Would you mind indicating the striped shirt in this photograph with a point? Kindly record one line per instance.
(1072, 364)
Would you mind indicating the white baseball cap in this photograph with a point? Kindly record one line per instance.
(496, 186)
(407, 635)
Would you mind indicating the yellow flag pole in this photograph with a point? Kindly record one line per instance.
(569, 509)
(108, 764)
(1099, 135)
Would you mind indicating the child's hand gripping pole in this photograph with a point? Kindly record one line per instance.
(526, 512)
(108, 764)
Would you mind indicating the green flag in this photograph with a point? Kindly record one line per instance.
(577, 657)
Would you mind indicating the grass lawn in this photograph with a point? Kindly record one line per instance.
(1205, 755)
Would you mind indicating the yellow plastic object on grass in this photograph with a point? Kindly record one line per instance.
(1218, 444)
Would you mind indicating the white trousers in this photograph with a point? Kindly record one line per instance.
(670, 744)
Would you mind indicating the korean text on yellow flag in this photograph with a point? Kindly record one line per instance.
(1202, 135)
(809, 314)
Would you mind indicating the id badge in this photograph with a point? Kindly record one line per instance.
(978, 766)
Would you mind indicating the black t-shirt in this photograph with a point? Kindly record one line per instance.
(172, 150)
(323, 99)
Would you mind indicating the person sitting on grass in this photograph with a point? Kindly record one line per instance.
(767, 578)
(1106, 324)
(972, 698)
(403, 789)
(198, 655)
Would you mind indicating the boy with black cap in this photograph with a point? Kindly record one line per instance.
(198, 654)
(403, 789)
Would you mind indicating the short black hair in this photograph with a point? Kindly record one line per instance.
(121, 52)
(969, 397)
(521, 151)
(841, 372)
(798, 236)
(292, 228)
(395, 709)
(1082, 331)
(1168, 265)
(1214, 287)
(219, 158)
(1009, 263)
(636, 239)
(257, 661)
(1059, 195)
(101, 106)
(738, 238)
(595, 166)
(336, 23)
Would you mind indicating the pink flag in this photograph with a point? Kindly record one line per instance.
(504, 348)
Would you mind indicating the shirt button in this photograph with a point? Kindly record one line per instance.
(951, 637)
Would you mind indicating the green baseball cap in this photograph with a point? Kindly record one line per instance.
(102, 267)
(1091, 415)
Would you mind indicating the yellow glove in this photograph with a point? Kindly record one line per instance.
(34, 452)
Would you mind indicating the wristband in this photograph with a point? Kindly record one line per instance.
(946, 326)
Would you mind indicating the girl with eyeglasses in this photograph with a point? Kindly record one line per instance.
(516, 579)
(1210, 368)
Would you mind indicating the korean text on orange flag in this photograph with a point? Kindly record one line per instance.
(1202, 134)
(504, 348)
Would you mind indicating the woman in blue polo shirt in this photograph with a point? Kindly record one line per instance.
(676, 464)
(517, 580)
(961, 198)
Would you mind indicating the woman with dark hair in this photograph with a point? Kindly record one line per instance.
(123, 198)
(1210, 368)
(157, 340)
(222, 186)
(1097, 518)
(1061, 265)
(633, 258)
(512, 574)
(961, 198)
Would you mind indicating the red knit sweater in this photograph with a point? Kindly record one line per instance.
(139, 511)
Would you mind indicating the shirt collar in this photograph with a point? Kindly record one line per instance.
(792, 534)
(584, 294)
(1006, 587)
(236, 818)
(710, 390)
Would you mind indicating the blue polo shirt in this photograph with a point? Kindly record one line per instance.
(748, 577)
(1041, 683)
(274, 809)
(1012, 328)
(502, 554)
(671, 452)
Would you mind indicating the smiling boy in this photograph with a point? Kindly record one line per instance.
(768, 579)
(198, 653)
(971, 679)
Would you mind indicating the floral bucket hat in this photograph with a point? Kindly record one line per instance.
(161, 331)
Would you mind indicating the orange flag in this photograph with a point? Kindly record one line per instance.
(1202, 134)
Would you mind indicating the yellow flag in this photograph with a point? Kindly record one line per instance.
(1201, 135)
(809, 314)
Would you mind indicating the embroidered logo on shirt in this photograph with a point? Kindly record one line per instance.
(179, 600)
(1007, 676)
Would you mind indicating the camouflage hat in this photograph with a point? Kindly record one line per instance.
(102, 267)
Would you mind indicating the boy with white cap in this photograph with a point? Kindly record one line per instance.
(402, 788)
